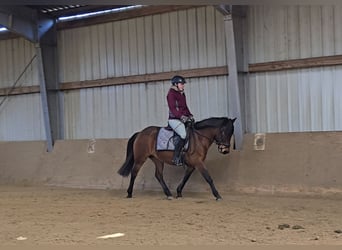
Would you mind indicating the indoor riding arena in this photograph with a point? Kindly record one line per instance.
(74, 88)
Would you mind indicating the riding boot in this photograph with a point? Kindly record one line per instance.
(179, 144)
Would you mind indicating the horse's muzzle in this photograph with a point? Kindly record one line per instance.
(223, 149)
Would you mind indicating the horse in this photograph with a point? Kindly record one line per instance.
(202, 134)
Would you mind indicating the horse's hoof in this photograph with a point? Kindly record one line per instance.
(218, 199)
(169, 198)
(129, 196)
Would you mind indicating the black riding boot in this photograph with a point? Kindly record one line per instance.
(179, 144)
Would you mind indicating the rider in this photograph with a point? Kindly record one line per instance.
(179, 114)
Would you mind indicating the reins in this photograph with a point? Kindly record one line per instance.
(196, 131)
(220, 143)
(209, 139)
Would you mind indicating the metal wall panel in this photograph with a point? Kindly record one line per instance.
(118, 111)
(292, 32)
(283, 101)
(20, 116)
(159, 43)
(294, 100)
(171, 41)
(15, 55)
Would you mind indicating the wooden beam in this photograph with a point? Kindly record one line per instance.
(19, 90)
(190, 73)
(139, 12)
(296, 64)
(8, 35)
(202, 72)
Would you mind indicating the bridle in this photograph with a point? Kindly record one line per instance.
(222, 146)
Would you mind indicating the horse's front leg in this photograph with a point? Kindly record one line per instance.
(188, 172)
(203, 170)
(159, 176)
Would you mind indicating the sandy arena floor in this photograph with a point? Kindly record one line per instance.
(60, 216)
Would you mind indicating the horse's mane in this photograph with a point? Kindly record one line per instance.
(211, 122)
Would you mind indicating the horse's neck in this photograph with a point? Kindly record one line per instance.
(206, 135)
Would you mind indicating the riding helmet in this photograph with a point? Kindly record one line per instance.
(177, 79)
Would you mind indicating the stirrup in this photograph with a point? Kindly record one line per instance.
(178, 161)
(178, 164)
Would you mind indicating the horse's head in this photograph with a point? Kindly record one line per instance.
(224, 135)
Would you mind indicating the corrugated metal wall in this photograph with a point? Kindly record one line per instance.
(16, 54)
(294, 100)
(177, 40)
(22, 119)
(20, 116)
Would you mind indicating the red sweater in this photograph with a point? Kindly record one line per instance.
(176, 101)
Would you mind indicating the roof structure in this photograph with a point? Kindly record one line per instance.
(49, 11)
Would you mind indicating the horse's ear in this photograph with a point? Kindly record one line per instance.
(233, 120)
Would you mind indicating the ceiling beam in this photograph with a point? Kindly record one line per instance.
(25, 22)
(20, 20)
(139, 12)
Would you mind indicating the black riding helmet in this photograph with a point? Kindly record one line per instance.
(177, 79)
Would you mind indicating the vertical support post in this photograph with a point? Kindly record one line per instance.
(41, 30)
(234, 105)
(48, 76)
(48, 45)
(44, 101)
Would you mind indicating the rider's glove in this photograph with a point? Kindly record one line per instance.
(184, 118)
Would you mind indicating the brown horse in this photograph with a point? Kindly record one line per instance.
(202, 134)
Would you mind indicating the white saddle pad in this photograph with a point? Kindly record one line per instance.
(165, 140)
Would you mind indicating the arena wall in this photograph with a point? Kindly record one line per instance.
(300, 163)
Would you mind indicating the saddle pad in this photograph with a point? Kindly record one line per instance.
(165, 140)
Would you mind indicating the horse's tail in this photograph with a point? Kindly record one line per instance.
(126, 168)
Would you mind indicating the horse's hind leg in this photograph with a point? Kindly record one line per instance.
(186, 177)
(159, 176)
(134, 174)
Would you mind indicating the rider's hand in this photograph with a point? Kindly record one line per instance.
(184, 118)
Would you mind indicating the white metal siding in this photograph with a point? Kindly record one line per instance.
(118, 111)
(282, 101)
(294, 100)
(21, 119)
(15, 55)
(159, 43)
(292, 32)
(20, 116)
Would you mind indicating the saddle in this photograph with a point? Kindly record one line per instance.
(165, 140)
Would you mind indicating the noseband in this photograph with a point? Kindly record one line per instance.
(222, 147)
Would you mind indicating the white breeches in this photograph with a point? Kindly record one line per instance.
(178, 127)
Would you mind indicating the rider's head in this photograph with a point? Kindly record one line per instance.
(178, 81)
